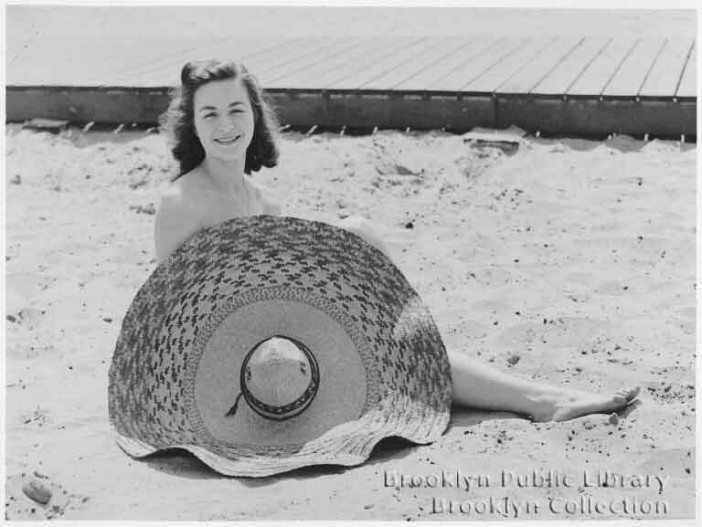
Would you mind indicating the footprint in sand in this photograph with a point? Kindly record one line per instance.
(611, 287)
(685, 318)
(473, 329)
(27, 317)
(28, 350)
(38, 417)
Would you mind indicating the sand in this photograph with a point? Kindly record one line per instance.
(571, 261)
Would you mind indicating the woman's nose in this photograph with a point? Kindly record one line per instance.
(227, 124)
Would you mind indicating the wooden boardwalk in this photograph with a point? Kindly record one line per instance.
(579, 85)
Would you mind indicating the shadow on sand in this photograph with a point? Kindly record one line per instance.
(181, 463)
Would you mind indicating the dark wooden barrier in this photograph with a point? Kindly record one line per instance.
(574, 116)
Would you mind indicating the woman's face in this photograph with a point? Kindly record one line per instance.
(224, 119)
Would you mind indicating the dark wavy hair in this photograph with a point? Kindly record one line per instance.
(178, 120)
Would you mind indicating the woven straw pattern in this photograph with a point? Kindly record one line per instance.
(151, 378)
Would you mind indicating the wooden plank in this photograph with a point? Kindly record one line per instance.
(107, 66)
(84, 61)
(82, 105)
(437, 50)
(688, 81)
(387, 62)
(80, 59)
(313, 75)
(450, 47)
(665, 75)
(161, 63)
(663, 79)
(527, 79)
(630, 76)
(447, 64)
(588, 116)
(598, 73)
(478, 64)
(166, 70)
(367, 111)
(395, 71)
(569, 70)
(304, 49)
(261, 56)
(248, 48)
(339, 47)
(317, 75)
(384, 47)
(503, 70)
(576, 116)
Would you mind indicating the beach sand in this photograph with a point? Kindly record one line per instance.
(570, 261)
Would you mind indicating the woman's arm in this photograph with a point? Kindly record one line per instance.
(176, 222)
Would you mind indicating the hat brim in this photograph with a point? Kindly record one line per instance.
(152, 402)
(348, 444)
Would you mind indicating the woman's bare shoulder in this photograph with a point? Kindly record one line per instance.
(178, 197)
(178, 217)
(185, 194)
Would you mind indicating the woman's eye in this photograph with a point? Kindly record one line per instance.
(236, 111)
(208, 116)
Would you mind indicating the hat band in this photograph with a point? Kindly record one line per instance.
(281, 412)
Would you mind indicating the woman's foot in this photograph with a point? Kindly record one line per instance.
(561, 405)
(476, 385)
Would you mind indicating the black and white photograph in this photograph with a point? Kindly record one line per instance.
(350, 261)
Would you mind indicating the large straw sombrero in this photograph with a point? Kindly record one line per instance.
(266, 344)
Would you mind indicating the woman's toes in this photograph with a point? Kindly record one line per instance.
(626, 395)
(577, 404)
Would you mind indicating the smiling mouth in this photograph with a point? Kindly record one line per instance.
(227, 140)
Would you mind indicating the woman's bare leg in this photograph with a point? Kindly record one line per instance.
(476, 385)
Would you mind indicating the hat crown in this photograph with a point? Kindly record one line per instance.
(279, 378)
(277, 372)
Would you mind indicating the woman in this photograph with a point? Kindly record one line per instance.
(223, 131)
